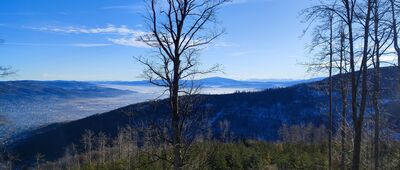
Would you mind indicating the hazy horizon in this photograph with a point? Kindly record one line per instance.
(142, 79)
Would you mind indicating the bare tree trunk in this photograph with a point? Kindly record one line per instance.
(358, 119)
(330, 88)
(177, 160)
(395, 38)
(358, 124)
(395, 32)
(376, 93)
(357, 146)
(343, 88)
(357, 138)
(350, 13)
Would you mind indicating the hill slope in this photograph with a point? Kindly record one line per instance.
(251, 115)
(15, 90)
(29, 104)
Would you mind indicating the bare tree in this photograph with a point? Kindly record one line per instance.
(102, 144)
(347, 12)
(87, 140)
(394, 25)
(343, 90)
(178, 29)
(324, 38)
(358, 115)
(357, 17)
(376, 93)
(5, 71)
(38, 157)
(382, 42)
(330, 88)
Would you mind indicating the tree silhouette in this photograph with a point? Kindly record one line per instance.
(178, 30)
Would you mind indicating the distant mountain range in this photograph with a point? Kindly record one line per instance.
(14, 90)
(221, 83)
(29, 104)
(69, 89)
(252, 115)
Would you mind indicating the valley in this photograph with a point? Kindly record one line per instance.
(32, 104)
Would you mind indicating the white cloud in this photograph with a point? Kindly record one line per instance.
(71, 45)
(109, 29)
(130, 41)
(119, 35)
(388, 58)
(239, 53)
(131, 7)
(225, 44)
(90, 45)
(238, 1)
(128, 8)
(26, 44)
(45, 75)
(235, 2)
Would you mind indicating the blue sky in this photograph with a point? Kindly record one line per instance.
(94, 39)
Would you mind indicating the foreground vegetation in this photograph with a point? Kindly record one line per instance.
(209, 155)
(126, 152)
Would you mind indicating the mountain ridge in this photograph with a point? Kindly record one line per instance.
(252, 115)
(217, 81)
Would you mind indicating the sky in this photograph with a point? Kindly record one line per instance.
(95, 39)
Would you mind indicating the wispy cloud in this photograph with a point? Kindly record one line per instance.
(90, 45)
(126, 8)
(21, 13)
(119, 35)
(109, 29)
(388, 58)
(28, 44)
(239, 53)
(71, 45)
(225, 44)
(62, 13)
(237, 2)
(129, 7)
(129, 41)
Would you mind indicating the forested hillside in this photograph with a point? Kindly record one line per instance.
(246, 115)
